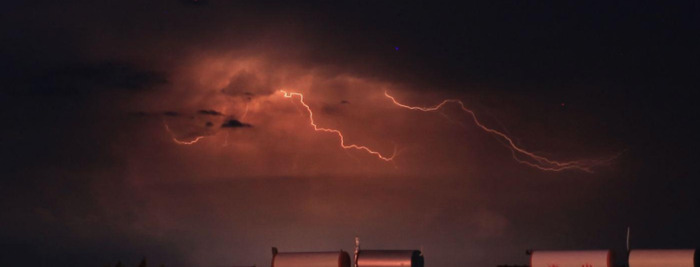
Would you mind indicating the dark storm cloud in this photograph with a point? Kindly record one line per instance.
(232, 123)
(84, 77)
(332, 109)
(194, 2)
(210, 112)
(117, 75)
(139, 113)
(171, 114)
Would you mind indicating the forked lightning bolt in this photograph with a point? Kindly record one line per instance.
(537, 161)
(334, 131)
(181, 142)
(519, 154)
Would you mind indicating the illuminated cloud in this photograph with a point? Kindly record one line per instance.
(248, 84)
(216, 165)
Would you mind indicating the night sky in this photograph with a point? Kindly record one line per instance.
(157, 129)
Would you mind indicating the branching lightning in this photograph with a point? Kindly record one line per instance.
(245, 112)
(181, 142)
(518, 153)
(334, 131)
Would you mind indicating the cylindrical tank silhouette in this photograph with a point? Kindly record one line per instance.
(662, 258)
(311, 259)
(573, 258)
(389, 258)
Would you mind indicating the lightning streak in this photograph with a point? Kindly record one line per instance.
(519, 154)
(535, 160)
(334, 131)
(181, 142)
(244, 112)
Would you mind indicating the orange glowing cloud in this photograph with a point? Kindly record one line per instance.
(244, 87)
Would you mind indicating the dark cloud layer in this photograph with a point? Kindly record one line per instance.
(210, 112)
(82, 78)
(232, 123)
(84, 183)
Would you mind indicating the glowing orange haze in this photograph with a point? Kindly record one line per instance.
(531, 159)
